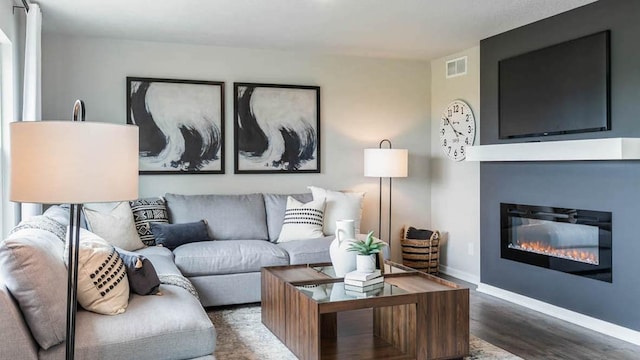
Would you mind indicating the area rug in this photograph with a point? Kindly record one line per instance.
(241, 336)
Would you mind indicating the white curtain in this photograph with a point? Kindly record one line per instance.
(31, 97)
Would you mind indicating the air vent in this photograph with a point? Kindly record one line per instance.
(457, 67)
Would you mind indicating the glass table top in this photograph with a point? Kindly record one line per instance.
(336, 291)
(330, 272)
(324, 293)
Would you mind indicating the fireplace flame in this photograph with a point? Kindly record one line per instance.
(540, 247)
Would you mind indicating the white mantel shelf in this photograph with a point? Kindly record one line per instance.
(568, 150)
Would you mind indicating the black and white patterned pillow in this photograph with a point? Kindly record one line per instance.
(103, 286)
(302, 221)
(147, 211)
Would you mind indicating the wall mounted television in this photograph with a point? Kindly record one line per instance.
(560, 89)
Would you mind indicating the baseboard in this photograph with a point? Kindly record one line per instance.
(462, 275)
(588, 322)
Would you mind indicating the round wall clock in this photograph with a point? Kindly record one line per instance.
(457, 129)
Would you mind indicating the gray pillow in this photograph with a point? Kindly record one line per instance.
(35, 274)
(173, 235)
(143, 279)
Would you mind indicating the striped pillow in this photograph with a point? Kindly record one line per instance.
(302, 221)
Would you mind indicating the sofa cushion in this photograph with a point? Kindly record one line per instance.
(173, 235)
(229, 217)
(146, 212)
(227, 257)
(275, 206)
(171, 326)
(33, 270)
(162, 260)
(309, 251)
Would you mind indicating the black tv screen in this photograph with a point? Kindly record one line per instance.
(559, 89)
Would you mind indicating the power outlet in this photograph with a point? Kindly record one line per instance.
(470, 249)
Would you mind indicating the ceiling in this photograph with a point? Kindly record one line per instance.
(418, 29)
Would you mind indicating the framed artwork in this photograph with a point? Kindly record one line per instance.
(276, 129)
(181, 125)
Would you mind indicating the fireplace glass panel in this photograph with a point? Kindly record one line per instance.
(562, 240)
(573, 241)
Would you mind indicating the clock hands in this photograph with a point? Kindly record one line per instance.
(452, 128)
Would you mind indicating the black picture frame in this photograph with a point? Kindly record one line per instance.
(276, 128)
(181, 131)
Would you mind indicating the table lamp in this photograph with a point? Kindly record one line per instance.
(385, 163)
(73, 162)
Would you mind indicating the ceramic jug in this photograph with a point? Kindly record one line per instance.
(343, 261)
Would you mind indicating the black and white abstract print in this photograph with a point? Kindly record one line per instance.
(277, 128)
(181, 125)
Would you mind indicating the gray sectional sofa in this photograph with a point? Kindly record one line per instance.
(245, 227)
(224, 271)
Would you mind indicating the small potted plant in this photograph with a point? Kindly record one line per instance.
(367, 250)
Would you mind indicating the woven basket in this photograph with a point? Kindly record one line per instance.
(423, 255)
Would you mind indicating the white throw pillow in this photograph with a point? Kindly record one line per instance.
(103, 286)
(302, 221)
(339, 206)
(116, 225)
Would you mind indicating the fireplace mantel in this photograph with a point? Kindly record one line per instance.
(568, 150)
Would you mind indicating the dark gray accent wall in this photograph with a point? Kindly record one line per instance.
(593, 185)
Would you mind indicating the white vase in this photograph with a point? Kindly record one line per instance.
(366, 263)
(343, 261)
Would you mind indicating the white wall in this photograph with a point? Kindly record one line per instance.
(11, 58)
(455, 186)
(362, 101)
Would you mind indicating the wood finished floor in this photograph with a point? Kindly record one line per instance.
(533, 335)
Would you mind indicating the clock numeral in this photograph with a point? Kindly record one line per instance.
(442, 131)
(449, 149)
(444, 142)
(469, 129)
(466, 141)
(456, 108)
(468, 117)
(461, 150)
(449, 112)
(455, 153)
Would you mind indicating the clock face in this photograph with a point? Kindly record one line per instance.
(457, 130)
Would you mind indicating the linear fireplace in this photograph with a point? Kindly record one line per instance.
(569, 240)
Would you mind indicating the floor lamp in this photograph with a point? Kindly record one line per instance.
(73, 162)
(385, 163)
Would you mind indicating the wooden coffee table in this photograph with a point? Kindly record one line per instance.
(420, 315)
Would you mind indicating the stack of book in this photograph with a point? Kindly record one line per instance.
(359, 284)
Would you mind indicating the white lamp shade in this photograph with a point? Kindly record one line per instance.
(73, 162)
(386, 162)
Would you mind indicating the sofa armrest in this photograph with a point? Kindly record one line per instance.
(16, 341)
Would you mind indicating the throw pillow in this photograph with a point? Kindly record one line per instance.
(115, 225)
(302, 221)
(145, 212)
(173, 235)
(339, 206)
(102, 285)
(143, 279)
(418, 234)
(34, 273)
